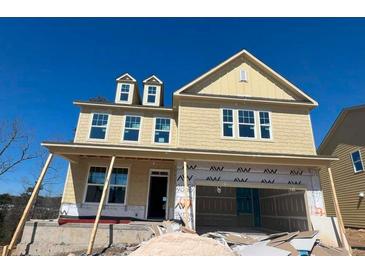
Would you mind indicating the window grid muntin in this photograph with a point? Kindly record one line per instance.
(124, 92)
(112, 185)
(162, 126)
(99, 122)
(227, 122)
(132, 125)
(246, 120)
(265, 125)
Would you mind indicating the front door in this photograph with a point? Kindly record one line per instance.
(157, 201)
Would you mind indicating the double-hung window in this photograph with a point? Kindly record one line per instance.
(265, 128)
(246, 123)
(124, 92)
(131, 128)
(227, 122)
(98, 126)
(162, 130)
(357, 161)
(151, 94)
(117, 188)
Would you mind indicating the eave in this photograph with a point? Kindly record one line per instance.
(120, 106)
(245, 99)
(71, 151)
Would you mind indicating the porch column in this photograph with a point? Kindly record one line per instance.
(187, 202)
(100, 208)
(27, 209)
(338, 213)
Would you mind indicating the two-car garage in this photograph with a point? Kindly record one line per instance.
(238, 208)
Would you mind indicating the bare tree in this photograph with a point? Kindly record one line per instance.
(14, 146)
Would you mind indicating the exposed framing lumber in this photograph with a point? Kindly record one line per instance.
(100, 208)
(186, 194)
(27, 209)
(338, 214)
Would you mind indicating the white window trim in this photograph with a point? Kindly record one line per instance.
(91, 125)
(140, 128)
(119, 91)
(156, 91)
(233, 123)
(353, 164)
(238, 124)
(154, 130)
(259, 125)
(107, 196)
(167, 191)
(157, 96)
(236, 136)
(123, 92)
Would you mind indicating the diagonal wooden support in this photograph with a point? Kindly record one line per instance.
(338, 214)
(101, 206)
(27, 209)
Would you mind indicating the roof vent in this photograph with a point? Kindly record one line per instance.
(243, 75)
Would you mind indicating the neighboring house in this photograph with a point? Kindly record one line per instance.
(244, 131)
(346, 140)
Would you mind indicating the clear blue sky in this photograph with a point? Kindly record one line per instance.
(45, 64)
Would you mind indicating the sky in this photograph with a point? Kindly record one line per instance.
(46, 64)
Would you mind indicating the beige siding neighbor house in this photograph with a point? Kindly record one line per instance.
(346, 141)
(243, 131)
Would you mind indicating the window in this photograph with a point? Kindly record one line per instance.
(357, 161)
(98, 126)
(131, 128)
(118, 184)
(227, 122)
(246, 123)
(265, 130)
(117, 188)
(151, 94)
(162, 130)
(124, 92)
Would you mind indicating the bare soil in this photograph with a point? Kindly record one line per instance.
(356, 239)
(182, 244)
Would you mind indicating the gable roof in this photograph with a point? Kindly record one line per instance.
(126, 77)
(153, 78)
(340, 118)
(253, 59)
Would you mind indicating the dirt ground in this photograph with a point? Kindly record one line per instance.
(356, 239)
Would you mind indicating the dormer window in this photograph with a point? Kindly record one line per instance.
(127, 90)
(152, 92)
(151, 96)
(124, 92)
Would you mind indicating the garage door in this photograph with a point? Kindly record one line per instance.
(230, 207)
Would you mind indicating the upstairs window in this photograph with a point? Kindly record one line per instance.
(131, 128)
(151, 94)
(162, 130)
(117, 189)
(357, 161)
(246, 123)
(265, 127)
(124, 92)
(99, 126)
(227, 122)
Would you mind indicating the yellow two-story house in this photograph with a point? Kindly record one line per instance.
(243, 131)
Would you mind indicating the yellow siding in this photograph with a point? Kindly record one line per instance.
(116, 125)
(227, 82)
(137, 188)
(200, 127)
(348, 185)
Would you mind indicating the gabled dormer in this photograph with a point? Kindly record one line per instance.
(127, 90)
(153, 92)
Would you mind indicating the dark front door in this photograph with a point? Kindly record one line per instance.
(157, 198)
